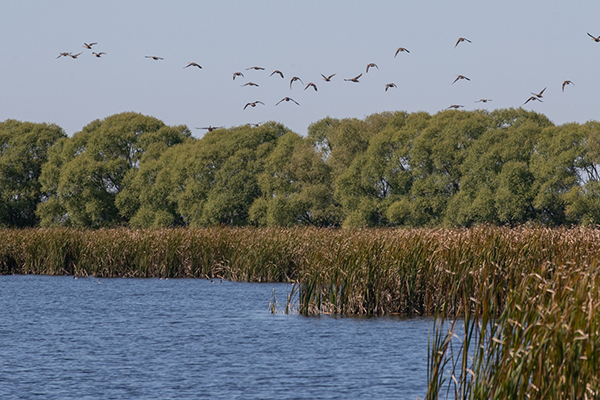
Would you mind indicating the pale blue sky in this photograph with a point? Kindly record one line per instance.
(518, 47)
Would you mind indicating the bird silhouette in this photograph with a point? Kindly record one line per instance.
(89, 46)
(74, 55)
(540, 94)
(595, 39)
(399, 49)
(253, 104)
(98, 54)
(390, 85)
(287, 99)
(483, 100)
(294, 79)
(371, 65)
(210, 128)
(455, 106)
(311, 85)
(565, 83)
(155, 58)
(327, 78)
(237, 74)
(460, 77)
(63, 55)
(355, 79)
(461, 39)
(256, 68)
(249, 84)
(532, 98)
(277, 72)
(193, 64)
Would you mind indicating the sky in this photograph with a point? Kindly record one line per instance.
(517, 48)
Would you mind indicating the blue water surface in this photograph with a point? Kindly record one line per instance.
(65, 338)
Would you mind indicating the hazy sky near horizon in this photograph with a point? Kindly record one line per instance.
(517, 47)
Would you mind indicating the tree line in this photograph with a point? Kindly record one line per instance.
(453, 168)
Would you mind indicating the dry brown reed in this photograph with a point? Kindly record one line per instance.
(370, 271)
(232, 253)
(535, 335)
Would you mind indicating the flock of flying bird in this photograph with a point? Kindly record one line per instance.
(326, 78)
(534, 97)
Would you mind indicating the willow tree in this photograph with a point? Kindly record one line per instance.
(497, 183)
(381, 175)
(210, 181)
(296, 187)
(583, 199)
(23, 150)
(85, 173)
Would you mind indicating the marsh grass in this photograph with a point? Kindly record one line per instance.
(536, 338)
(370, 271)
(237, 254)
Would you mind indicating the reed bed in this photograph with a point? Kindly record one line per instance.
(236, 254)
(369, 271)
(543, 344)
(535, 335)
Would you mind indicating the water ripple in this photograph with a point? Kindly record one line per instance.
(64, 338)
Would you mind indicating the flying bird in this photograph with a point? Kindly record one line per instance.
(533, 98)
(355, 79)
(237, 74)
(249, 84)
(483, 100)
(253, 104)
(256, 68)
(98, 54)
(399, 49)
(461, 39)
(287, 99)
(277, 72)
(210, 128)
(294, 79)
(390, 85)
(155, 57)
(327, 78)
(311, 85)
(460, 77)
(455, 106)
(595, 39)
(539, 95)
(63, 55)
(193, 64)
(371, 65)
(565, 83)
(74, 55)
(89, 46)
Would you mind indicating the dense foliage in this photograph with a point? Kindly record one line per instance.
(24, 150)
(453, 168)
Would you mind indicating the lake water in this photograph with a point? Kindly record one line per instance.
(65, 338)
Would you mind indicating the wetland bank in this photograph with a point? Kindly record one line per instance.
(525, 298)
(444, 216)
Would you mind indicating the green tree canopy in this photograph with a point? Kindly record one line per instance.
(23, 151)
(452, 168)
(496, 182)
(213, 180)
(85, 173)
(295, 186)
